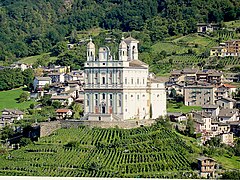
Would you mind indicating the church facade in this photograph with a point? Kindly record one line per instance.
(122, 89)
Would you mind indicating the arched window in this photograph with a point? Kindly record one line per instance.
(103, 80)
(133, 49)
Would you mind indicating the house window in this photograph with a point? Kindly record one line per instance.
(125, 80)
(143, 81)
(125, 96)
(103, 96)
(132, 81)
(110, 96)
(137, 81)
(137, 97)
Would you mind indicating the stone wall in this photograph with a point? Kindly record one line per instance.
(47, 128)
(107, 124)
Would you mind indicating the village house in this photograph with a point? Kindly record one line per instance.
(40, 82)
(20, 65)
(226, 103)
(56, 69)
(58, 88)
(206, 167)
(221, 93)
(207, 27)
(218, 51)
(226, 115)
(76, 75)
(199, 95)
(64, 100)
(56, 77)
(232, 47)
(202, 76)
(196, 77)
(228, 48)
(230, 89)
(227, 138)
(212, 110)
(215, 78)
(202, 121)
(235, 127)
(219, 128)
(10, 115)
(63, 113)
(177, 117)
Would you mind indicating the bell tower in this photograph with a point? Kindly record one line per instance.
(132, 48)
(90, 51)
(122, 51)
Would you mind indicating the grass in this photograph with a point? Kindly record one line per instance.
(173, 107)
(228, 162)
(169, 48)
(193, 39)
(8, 99)
(233, 24)
(33, 59)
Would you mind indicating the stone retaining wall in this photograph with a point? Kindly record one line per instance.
(107, 124)
(47, 128)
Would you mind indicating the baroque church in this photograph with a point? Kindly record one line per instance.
(122, 89)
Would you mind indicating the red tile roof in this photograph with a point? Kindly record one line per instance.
(62, 110)
(229, 86)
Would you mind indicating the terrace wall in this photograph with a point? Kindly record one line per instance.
(107, 124)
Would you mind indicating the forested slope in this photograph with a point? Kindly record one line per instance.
(30, 27)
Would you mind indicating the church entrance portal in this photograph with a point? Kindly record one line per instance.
(103, 110)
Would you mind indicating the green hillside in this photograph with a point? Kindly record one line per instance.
(30, 27)
(82, 152)
(8, 99)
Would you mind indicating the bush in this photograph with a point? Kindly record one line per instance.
(25, 141)
(72, 144)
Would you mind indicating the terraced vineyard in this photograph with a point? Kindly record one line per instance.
(142, 152)
(230, 61)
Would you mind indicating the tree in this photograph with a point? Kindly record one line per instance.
(59, 48)
(78, 110)
(190, 127)
(46, 100)
(56, 104)
(173, 93)
(28, 76)
(6, 132)
(24, 96)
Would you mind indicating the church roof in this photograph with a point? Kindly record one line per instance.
(130, 39)
(122, 44)
(91, 44)
(137, 63)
